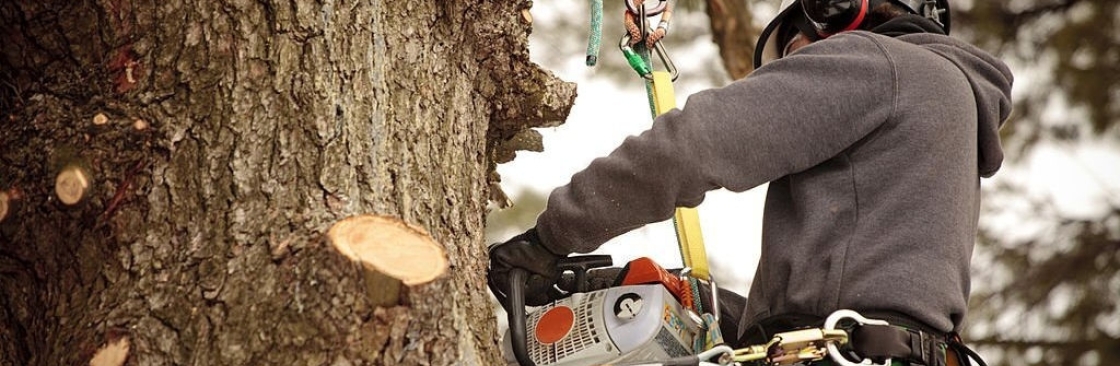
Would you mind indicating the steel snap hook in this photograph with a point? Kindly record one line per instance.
(834, 351)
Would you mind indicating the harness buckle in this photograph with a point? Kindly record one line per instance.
(722, 355)
(802, 345)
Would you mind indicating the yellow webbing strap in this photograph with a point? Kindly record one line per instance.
(686, 220)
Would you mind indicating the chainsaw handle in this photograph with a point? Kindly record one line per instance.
(580, 265)
(515, 314)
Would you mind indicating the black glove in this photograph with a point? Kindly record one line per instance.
(526, 252)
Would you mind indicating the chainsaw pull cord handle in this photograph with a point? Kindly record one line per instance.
(515, 314)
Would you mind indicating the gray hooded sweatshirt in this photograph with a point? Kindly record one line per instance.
(874, 148)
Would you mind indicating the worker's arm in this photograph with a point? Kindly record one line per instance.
(788, 116)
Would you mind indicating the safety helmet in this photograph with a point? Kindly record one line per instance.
(823, 18)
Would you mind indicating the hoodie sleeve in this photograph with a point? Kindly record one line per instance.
(786, 117)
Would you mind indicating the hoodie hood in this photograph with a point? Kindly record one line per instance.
(908, 24)
(991, 82)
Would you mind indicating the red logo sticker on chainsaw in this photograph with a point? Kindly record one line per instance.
(555, 324)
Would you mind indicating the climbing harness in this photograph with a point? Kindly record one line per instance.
(811, 344)
(846, 333)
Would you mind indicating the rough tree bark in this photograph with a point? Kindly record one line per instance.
(222, 139)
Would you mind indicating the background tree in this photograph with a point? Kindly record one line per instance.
(215, 142)
(1049, 287)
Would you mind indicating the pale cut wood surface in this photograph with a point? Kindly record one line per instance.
(71, 185)
(390, 246)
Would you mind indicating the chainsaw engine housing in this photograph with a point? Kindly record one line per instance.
(617, 324)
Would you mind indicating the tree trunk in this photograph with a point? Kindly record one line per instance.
(219, 141)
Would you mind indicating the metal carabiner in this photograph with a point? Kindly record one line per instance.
(713, 293)
(834, 351)
(640, 65)
(692, 314)
(713, 296)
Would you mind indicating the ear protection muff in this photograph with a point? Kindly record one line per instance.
(835, 16)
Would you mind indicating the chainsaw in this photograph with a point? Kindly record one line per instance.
(644, 315)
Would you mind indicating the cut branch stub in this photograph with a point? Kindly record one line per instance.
(112, 354)
(392, 252)
(3, 206)
(10, 203)
(72, 184)
(100, 119)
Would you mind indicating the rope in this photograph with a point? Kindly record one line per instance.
(648, 62)
(659, 92)
(594, 37)
(694, 285)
